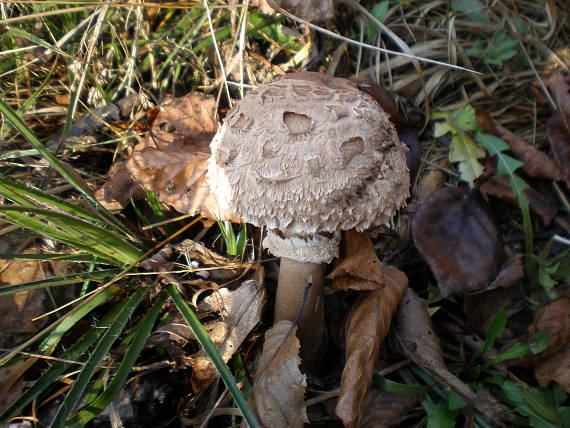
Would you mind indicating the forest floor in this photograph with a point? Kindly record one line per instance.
(129, 298)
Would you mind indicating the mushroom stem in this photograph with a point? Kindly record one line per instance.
(294, 277)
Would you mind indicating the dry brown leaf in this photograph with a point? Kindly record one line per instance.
(367, 325)
(384, 409)
(18, 310)
(240, 311)
(421, 345)
(172, 160)
(559, 86)
(554, 368)
(278, 395)
(12, 385)
(559, 122)
(359, 267)
(116, 193)
(228, 268)
(459, 240)
(554, 319)
(559, 136)
(536, 163)
(552, 364)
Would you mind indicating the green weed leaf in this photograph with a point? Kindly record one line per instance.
(474, 10)
(111, 334)
(501, 48)
(441, 417)
(379, 11)
(463, 150)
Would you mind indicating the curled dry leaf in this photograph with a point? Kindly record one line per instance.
(554, 319)
(359, 267)
(559, 86)
(240, 311)
(421, 345)
(227, 268)
(459, 240)
(559, 122)
(559, 136)
(116, 193)
(384, 409)
(172, 160)
(552, 364)
(367, 326)
(536, 163)
(18, 310)
(278, 395)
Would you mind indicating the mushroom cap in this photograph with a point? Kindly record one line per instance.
(307, 154)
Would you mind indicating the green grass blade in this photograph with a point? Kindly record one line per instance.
(52, 339)
(28, 197)
(75, 352)
(17, 122)
(104, 243)
(103, 347)
(61, 280)
(212, 351)
(79, 258)
(135, 348)
(25, 35)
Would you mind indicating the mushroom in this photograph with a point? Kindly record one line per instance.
(308, 156)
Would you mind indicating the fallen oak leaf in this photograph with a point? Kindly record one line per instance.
(367, 326)
(278, 394)
(552, 363)
(559, 85)
(172, 160)
(119, 189)
(558, 124)
(421, 344)
(459, 240)
(559, 137)
(386, 410)
(359, 267)
(554, 319)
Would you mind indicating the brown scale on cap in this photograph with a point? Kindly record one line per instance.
(304, 155)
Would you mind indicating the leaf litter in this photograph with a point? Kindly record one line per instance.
(367, 326)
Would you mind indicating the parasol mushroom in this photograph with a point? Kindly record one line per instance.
(308, 156)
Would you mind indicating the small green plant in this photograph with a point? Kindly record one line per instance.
(501, 48)
(474, 10)
(552, 270)
(379, 12)
(235, 244)
(460, 124)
